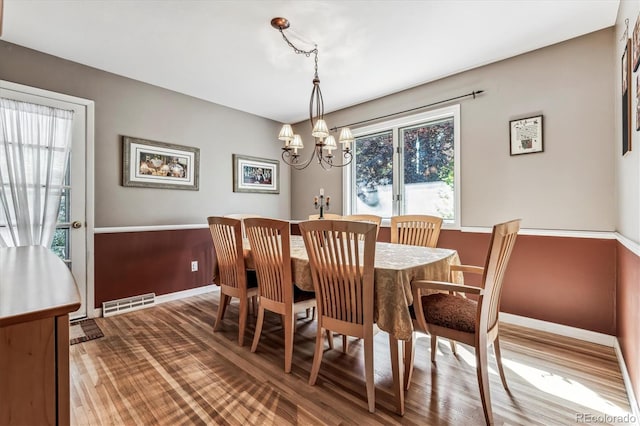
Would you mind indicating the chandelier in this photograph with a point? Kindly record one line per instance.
(325, 143)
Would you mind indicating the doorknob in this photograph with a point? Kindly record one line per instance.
(76, 225)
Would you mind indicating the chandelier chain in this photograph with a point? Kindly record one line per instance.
(306, 53)
(299, 51)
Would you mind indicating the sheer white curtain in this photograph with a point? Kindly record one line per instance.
(34, 150)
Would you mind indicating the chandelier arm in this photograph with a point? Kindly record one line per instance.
(316, 98)
(321, 159)
(320, 102)
(348, 157)
(286, 154)
(316, 154)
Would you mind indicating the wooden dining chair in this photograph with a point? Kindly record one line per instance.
(242, 217)
(234, 279)
(328, 216)
(365, 218)
(416, 230)
(371, 218)
(271, 251)
(342, 268)
(474, 323)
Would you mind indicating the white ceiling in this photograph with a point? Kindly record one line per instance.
(227, 52)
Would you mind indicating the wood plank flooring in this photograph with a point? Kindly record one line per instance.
(165, 366)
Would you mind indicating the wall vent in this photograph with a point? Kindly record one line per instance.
(128, 304)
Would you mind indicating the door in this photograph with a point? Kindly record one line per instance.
(70, 238)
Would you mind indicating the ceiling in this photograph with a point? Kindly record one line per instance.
(227, 52)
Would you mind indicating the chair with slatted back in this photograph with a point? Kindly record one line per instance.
(471, 322)
(342, 268)
(250, 272)
(271, 252)
(242, 217)
(234, 279)
(365, 218)
(371, 218)
(327, 216)
(416, 230)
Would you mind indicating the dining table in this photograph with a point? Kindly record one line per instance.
(395, 267)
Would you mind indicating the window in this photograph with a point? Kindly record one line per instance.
(407, 166)
(60, 244)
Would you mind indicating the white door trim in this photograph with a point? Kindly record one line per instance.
(89, 173)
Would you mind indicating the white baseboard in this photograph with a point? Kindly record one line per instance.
(633, 402)
(562, 330)
(588, 336)
(163, 298)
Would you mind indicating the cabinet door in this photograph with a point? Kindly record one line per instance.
(28, 373)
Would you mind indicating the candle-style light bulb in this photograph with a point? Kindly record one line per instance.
(322, 192)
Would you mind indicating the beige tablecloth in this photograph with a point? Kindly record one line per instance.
(395, 267)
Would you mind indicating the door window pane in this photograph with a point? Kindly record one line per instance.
(374, 174)
(428, 153)
(63, 213)
(60, 243)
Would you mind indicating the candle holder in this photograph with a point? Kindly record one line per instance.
(322, 203)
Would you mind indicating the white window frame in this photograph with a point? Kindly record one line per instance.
(395, 125)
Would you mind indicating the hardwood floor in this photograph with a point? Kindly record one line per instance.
(164, 365)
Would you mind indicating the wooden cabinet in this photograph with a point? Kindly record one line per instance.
(37, 292)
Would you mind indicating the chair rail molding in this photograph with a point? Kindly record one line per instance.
(630, 244)
(602, 235)
(120, 229)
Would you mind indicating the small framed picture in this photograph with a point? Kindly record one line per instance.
(253, 174)
(526, 135)
(151, 164)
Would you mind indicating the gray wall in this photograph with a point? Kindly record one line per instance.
(129, 107)
(569, 186)
(627, 167)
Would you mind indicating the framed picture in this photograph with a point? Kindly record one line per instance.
(526, 135)
(150, 164)
(625, 65)
(253, 174)
(635, 43)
